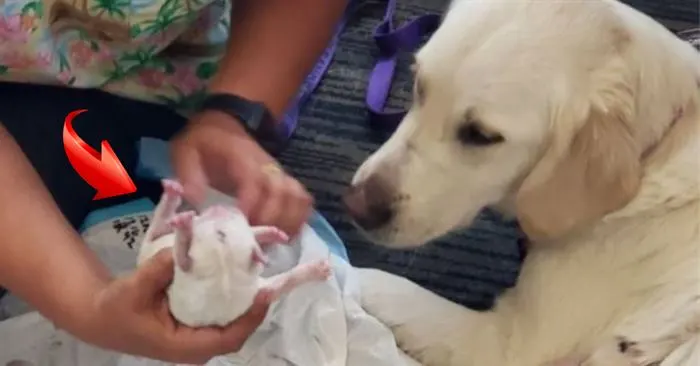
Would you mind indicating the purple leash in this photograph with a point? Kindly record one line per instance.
(390, 41)
(291, 118)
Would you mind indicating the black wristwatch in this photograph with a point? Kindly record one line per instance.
(255, 117)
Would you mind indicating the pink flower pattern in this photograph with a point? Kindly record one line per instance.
(11, 30)
(81, 54)
(14, 35)
(151, 78)
(17, 59)
(44, 59)
(185, 79)
(24, 47)
(64, 76)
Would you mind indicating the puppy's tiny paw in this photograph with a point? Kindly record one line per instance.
(322, 270)
(172, 188)
(266, 235)
(182, 220)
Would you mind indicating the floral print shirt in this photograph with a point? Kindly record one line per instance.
(154, 50)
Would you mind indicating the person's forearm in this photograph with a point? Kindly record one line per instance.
(273, 46)
(42, 259)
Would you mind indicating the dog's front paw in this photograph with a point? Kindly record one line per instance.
(386, 296)
(645, 353)
(623, 351)
(422, 322)
(655, 335)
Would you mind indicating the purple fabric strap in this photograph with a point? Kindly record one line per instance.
(291, 118)
(390, 41)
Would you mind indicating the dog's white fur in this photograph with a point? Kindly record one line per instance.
(598, 105)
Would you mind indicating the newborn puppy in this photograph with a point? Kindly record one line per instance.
(218, 260)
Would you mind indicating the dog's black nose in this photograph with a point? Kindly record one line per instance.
(369, 204)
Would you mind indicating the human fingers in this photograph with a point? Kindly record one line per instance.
(270, 207)
(154, 275)
(201, 344)
(249, 192)
(235, 334)
(190, 171)
(297, 207)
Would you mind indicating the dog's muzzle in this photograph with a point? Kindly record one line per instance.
(369, 203)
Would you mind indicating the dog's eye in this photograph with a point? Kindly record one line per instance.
(221, 236)
(473, 135)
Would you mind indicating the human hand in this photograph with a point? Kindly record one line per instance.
(215, 150)
(132, 317)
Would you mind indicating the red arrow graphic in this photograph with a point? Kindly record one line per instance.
(105, 173)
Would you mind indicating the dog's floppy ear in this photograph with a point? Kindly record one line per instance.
(586, 174)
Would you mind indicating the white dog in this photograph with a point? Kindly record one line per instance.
(581, 119)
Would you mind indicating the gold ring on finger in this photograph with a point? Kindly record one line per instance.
(272, 170)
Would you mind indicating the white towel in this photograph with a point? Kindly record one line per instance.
(317, 324)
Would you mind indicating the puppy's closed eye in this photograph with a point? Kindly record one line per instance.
(472, 134)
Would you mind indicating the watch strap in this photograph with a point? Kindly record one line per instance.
(254, 116)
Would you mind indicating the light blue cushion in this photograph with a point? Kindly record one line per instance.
(324, 230)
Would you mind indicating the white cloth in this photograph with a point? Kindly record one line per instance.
(316, 324)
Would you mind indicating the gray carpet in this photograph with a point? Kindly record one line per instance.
(333, 138)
